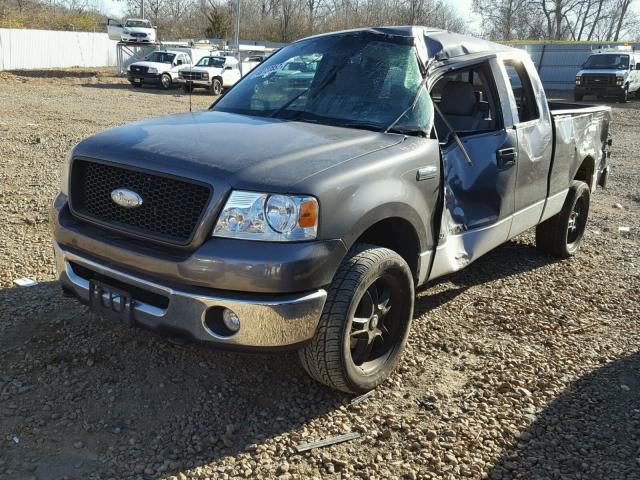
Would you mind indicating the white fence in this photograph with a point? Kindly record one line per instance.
(54, 49)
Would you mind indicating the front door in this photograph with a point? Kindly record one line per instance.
(478, 197)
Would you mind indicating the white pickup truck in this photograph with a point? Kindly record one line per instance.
(212, 72)
(158, 68)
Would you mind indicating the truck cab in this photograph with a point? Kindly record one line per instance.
(609, 73)
(159, 68)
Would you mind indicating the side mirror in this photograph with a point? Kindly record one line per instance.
(638, 66)
(227, 68)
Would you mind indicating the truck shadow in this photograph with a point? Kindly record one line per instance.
(589, 431)
(511, 258)
(175, 91)
(76, 389)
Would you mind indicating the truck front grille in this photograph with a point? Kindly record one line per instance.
(192, 75)
(594, 80)
(138, 69)
(171, 208)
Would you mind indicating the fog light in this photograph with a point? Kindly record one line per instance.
(231, 320)
(221, 322)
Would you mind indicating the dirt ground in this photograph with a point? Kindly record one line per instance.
(520, 366)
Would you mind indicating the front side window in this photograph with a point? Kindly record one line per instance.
(161, 57)
(522, 91)
(467, 100)
(357, 79)
(607, 61)
(216, 62)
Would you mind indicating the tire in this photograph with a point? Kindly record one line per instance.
(577, 97)
(365, 322)
(624, 98)
(216, 87)
(561, 235)
(165, 81)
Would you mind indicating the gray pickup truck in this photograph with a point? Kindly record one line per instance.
(304, 208)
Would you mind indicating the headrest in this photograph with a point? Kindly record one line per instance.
(458, 98)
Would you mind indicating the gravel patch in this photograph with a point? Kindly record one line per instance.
(520, 366)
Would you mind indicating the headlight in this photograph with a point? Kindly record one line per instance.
(152, 70)
(64, 174)
(266, 217)
(125, 30)
(619, 80)
(180, 74)
(205, 76)
(578, 79)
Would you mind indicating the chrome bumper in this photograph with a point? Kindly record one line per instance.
(195, 83)
(266, 320)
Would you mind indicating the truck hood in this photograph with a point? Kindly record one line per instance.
(240, 151)
(201, 69)
(158, 65)
(603, 71)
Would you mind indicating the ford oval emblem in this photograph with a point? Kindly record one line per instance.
(126, 198)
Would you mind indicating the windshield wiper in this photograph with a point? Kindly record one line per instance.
(361, 125)
(408, 131)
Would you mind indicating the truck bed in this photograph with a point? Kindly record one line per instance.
(580, 132)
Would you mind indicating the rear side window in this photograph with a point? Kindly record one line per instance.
(522, 91)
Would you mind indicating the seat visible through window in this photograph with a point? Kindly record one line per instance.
(466, 101)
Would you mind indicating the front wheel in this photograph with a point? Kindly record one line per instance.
(216, 87)
(624, 97)
(365, 322)
(561, 235)
(165, 81)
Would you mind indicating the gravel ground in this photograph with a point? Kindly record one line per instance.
(520, 366)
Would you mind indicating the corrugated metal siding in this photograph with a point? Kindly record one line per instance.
(560, 62)
(54, 49)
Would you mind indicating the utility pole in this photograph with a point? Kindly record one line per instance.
(237, 34)
(141, 8)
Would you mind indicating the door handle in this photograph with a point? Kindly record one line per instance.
(506, 157)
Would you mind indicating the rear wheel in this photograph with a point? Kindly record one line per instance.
(165, 81)
(365, 322)
(216, 86)
(561, 235)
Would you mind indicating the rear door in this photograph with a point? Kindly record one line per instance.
(532, 125)
(114, 29)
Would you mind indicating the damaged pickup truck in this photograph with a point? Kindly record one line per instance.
(304, 208)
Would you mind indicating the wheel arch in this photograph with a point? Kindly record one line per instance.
(400, 231)
(586, 171)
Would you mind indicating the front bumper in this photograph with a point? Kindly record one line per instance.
(143, 78)
(266, 321)
(604, 91)
(195, 83)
